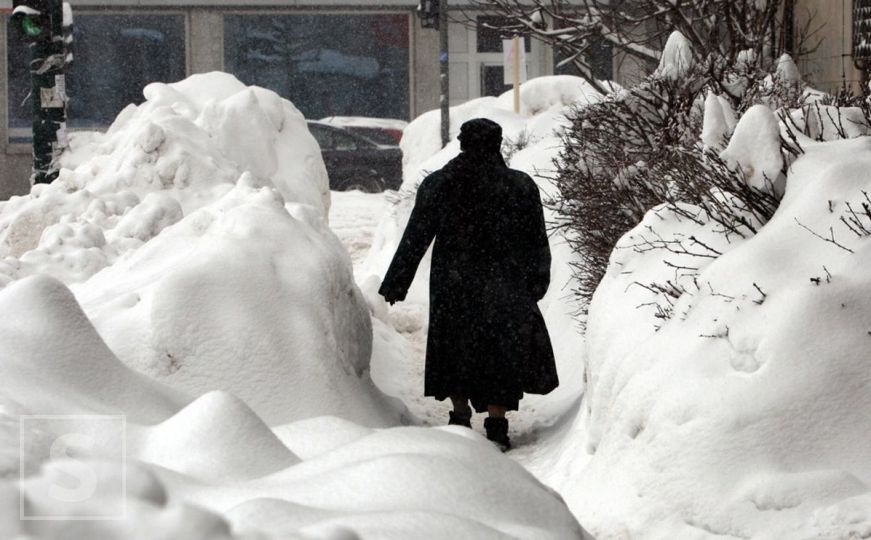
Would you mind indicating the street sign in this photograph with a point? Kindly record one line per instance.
(508, 52)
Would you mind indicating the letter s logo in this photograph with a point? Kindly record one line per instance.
(86, 477)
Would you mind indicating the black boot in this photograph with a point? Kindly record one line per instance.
(497, 431)
(460, 419)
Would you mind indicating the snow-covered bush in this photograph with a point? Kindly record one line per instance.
(747, 413)
(676, 139)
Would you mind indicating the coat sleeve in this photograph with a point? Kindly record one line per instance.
(419, 233)
(540, 257)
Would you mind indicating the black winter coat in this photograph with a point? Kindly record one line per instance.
(490, 265)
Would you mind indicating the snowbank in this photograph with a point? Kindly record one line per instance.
(175, 294)
(747, 414)
(211, 468)
(194, 235)
(754, 150)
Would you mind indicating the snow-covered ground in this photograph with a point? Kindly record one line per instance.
(192, 346)
(185, 353)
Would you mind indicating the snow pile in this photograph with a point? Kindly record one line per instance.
(177, 152)
(533, 138)
(211, 468)
(194, 235)
(543, 101)
(719, 122)
(754, 150)
(365, 121)
(747, 414)
(677, 58)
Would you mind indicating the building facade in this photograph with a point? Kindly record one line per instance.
(330, 57)
(824, 29)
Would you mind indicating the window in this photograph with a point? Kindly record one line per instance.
(862, 33)
(493, 80)
(116, 56)
(322, 135)
(600, 55)
(490, 38)
(327, 65)
(344, 142)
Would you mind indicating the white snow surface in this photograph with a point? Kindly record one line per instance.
(194, 289)
(747, 415)
(211, 468)
(676, 59)
(754, 149)
(719, 122)
(178, 298)
(366, 121)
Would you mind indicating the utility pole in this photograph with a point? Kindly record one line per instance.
(434, 14)
(444, 73)
(41, 24)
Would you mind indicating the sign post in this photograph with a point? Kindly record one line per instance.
(514, 66)
(444, 73)
(434, 14)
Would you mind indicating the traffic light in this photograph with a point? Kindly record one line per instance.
(31, 20)
(41, 24)
(429, 13)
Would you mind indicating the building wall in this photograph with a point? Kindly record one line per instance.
(204, 49)
(830, 65)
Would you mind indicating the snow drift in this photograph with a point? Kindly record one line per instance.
(747, 414)
(194, 234)
(174, 295)
(211, 468)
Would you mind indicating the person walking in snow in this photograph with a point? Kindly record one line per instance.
(487, 340)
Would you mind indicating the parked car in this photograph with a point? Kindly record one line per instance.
(355, 162)
(380, 130)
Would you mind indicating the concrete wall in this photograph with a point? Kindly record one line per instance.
(205, 41)
(425, 87)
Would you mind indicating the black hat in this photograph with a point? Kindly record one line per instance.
(480, 134)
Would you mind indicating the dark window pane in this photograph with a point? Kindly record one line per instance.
(344, 142)
(327, 65)
(490, 37)
(322, 136)
(493, 81)
(600, 55)
(116, 56)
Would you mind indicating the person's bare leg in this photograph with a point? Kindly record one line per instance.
(462, 413)
(461, 405)
(497, 411)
